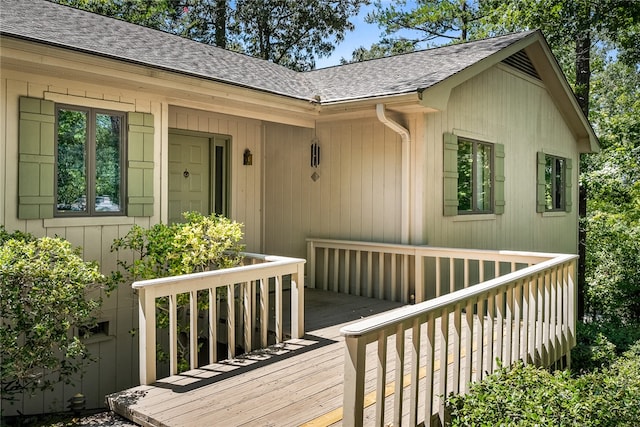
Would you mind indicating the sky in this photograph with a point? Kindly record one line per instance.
(363, 35)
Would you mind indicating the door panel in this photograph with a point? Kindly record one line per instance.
(189, 175)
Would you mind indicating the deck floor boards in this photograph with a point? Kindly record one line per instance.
(286, 385)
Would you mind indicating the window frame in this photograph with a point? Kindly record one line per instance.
(90, 161)
(550, 186)
(474, 170)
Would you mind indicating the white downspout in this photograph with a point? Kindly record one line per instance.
(406, 173)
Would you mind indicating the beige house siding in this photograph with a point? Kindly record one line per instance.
(503, 106)
(356, 197)
(116, 366)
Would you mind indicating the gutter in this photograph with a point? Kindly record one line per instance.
(406, 150)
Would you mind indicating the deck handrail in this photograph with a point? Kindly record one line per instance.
(252, 281)
(406, 273)
(531, 311)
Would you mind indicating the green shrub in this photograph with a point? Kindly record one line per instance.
(201, 243)
(518, 395)
(525, 395)
(601, 343)
(44, 288)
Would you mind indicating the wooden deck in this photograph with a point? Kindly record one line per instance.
(297, 382)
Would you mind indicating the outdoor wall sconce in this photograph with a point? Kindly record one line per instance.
(315, 153)
(247, 158)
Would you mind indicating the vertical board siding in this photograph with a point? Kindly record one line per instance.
(357, 195)
(502, 107)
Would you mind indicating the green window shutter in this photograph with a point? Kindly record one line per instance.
(450, 189)
(568, 177)
(140, 165)
(36, 158)
(541, 202)
(498, 179)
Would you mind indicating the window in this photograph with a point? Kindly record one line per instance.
(554, 183)
(473, 176)
(71, 155)
(89, 159)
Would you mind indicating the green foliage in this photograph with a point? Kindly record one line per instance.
(287, 32)
(526, 395)
(201, 243)
(601, 343)
(45, 295)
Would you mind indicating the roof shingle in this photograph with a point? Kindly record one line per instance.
(62, 26)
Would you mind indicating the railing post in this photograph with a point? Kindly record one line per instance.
(354, 369)
(147, 336)
(297, 302)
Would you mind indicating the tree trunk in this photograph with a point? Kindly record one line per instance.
(583, 80)
(221, 23)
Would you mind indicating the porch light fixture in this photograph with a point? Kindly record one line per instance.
(247, 157)
(315, 153)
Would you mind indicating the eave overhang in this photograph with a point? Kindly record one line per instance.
(177, 88)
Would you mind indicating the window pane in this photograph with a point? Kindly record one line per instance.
(483, 177)
(108, 135)
(465, 171)
(72, 172)
(548, 186)
(558, 191)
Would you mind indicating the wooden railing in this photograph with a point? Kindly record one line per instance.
(527, 314)
(405, 273)
(246, 286)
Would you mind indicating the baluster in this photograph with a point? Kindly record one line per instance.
(394, 282)
(336, 270)
(380, 275)
(369, 274)
(415, 371)
(231, 322)
(264, 312)
(381, 378)
(468, 333)
(213, 326)
(443, 338)
(399, 389)
(478, 361)
(429, 368)
(508, 326)
(438, 277)
(193, 329)
(247, 315)
(173, 335)
(358, 273)
(279, 307)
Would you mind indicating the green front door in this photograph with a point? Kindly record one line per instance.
(189, 175)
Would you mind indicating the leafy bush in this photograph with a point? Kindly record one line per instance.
(44, 288)
(601, 343)
(201, 243)
(526, 395)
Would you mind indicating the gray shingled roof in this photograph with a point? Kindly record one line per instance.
(70, 28)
